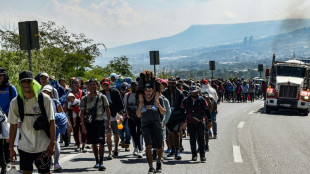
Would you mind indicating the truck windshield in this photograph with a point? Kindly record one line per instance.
(291, 71)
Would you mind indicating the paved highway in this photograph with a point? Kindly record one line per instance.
(249, 141)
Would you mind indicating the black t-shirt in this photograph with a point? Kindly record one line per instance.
(151, 116)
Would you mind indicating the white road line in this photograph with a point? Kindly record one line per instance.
(237, 154)
(240, 125)
(251, 112)
(67, 158)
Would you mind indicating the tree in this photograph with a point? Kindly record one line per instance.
(119, 66)
(62, 53)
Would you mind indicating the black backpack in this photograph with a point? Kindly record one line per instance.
(42, 121)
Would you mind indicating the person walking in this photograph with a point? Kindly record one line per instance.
(35, 111)
(151, 125)
(197, 115)
(116, 106)
(93, 107)
(7, 93)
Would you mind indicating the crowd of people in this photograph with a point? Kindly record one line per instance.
(147, 112)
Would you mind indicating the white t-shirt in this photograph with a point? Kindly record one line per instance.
(31, 141)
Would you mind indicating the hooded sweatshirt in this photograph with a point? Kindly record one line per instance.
(5, 94)
(211, 91)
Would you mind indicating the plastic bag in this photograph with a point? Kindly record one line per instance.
(13, 170)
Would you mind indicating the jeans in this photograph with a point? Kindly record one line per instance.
(135, 130)
(125, 132)
(196, 132)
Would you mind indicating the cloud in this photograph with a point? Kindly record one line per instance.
(108, 13)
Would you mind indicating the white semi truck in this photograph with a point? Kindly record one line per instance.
(288, 86)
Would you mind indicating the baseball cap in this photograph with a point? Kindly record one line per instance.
(171, 79)
(148, 86)
(194, 89)
(2, 70)
(204, 81)
(52, 77)
(25, 75)
(105, 81)
(47, 88)
(44, 74)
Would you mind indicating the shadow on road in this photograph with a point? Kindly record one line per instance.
(281, 112)
(76, 170)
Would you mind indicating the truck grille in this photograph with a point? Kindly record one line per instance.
(287, 91)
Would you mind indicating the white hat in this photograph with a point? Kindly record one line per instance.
(47, 88)
(44, 74)
(70, 95)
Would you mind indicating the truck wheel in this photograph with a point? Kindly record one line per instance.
(268, 110)
(305, 112)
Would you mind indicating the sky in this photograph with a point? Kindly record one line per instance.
(120, 22)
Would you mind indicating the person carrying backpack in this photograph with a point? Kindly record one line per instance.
(7, 93)
(197, 115)
(35, 111)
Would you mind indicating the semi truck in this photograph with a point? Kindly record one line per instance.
(288, 86)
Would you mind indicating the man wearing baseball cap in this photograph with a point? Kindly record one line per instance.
(44, 80)
(197, 114)
(7, 93)
(35, 146)
(116, 105)
(151, 125)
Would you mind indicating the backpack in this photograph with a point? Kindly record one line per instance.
(42, 122)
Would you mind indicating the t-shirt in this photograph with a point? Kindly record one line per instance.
(56, 103)
(5, 98)
(90, 101)
(31, 141)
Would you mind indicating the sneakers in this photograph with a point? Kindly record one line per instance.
(57, 167)
(151, 170)
(171, 153)
(84, 150)
(77, 149)
(135, 152)
(140, 154)
(110, 157)
(158, 167)
(101, 167)
(214, 136)
(96, 166)
(168, 150)
(194, 158)
(127, 149)
(177, 155)
(203, 159)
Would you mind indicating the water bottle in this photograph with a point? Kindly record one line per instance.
(119, 122)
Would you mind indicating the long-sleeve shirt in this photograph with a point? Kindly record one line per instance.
(168, 110)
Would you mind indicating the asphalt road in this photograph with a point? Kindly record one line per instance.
(249, 141)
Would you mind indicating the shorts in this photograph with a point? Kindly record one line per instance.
(95, 133)
(113, 129)
(153, 135)
(175, 129)
(41, 161)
